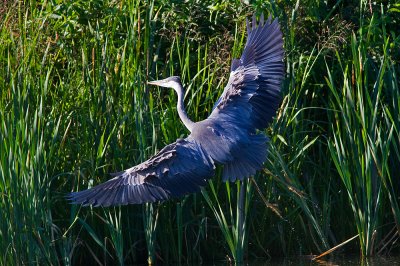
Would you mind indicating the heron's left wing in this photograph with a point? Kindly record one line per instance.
(179, 168)
(252, 94)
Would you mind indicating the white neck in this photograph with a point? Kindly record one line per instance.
(181, 108)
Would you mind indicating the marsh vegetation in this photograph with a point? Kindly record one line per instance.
(74, 106)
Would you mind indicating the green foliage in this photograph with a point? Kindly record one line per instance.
(74, 106)
(234, 230)
(362, 136)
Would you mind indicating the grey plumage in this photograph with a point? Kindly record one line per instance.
(177, 169)
(228, 136)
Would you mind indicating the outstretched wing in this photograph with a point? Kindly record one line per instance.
(180, 168)
(252, 94)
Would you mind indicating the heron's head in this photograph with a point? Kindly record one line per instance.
(171, 82)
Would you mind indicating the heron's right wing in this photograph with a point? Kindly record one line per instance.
(180, 168)
(252, 94)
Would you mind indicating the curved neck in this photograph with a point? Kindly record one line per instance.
(181, 108)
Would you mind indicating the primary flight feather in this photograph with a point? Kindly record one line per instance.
(228, 136)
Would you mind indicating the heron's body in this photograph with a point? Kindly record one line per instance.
(229, 136)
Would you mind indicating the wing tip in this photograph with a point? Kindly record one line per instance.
(253, 25)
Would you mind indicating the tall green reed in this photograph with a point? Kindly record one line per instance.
(290, 170)
(390, 141)
(27, 229)
(120, 111)
(233, 226)
(29, 133)
(86, 63)
(362, 134)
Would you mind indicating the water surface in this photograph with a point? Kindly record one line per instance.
(332, 261)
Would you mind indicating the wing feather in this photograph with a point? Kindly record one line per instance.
(253, 89)
(180, 168)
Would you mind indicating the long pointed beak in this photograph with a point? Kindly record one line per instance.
(154, 82)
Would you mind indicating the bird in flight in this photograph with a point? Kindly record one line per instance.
(229, 135)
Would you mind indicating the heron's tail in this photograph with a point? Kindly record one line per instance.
(248, 161)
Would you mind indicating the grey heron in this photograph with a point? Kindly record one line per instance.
(230, 135)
